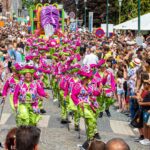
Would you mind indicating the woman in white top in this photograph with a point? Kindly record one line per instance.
(121, 92)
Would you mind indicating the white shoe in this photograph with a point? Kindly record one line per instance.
(80, 147)
(135, 130)
(145, 142)
(55, 100)
(119, 110)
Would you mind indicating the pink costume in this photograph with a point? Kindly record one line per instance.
(43, 61)
(9, 86)
(28, 93)
(97, 78)
(71, 83)
(64, 84)
(109, 80)
(79, 93)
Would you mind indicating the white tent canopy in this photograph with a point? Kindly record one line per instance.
(133, 24)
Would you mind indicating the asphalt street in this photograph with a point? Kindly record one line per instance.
(55, 136)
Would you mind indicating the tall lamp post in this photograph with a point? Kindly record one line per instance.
(120, 4)
(85, 1)
(76, 1)
(139, 16)
(107, 13)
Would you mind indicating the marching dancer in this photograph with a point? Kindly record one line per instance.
(26, 98)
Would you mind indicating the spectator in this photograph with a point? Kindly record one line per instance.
(143, 98)
(90, 58)
(121, 92)
(27, 138)
(117, 144)
(144, 102)
(11, 51)
(134, 66)
(10, 140)
(18, 56)
(97, 145)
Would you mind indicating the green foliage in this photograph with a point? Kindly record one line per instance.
(130, 9)
(29, 3)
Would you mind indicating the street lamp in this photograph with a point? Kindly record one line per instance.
(120, 4)
(107, 13)
(85, 1)
(49, 1)
(76, 1)
(139, 16)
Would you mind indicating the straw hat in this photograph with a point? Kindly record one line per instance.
(137, 61)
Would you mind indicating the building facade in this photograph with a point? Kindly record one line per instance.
(11, 7)
(6, 4)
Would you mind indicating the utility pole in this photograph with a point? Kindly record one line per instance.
(139, 16)
(107, 15)
(120, 4)
(85, 1)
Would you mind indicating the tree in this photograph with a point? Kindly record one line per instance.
(129, 9)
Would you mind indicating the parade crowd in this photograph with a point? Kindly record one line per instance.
(87, 76)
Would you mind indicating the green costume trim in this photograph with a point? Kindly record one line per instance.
(46, 81)
(24, 71)
(26, 116)
(90, 120)
(11, 102)
(73, 107)
(40, 104)
(104, 102)
(63, 105)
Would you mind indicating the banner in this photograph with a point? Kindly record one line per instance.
(110, 28)
(73, 26)
(91, 22)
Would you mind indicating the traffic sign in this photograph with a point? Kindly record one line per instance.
(100, 32)
(72, 14)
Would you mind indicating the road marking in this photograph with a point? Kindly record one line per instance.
(121, 127)
(43, 123)
(5, 117)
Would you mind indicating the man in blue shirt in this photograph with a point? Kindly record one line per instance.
(18, 56)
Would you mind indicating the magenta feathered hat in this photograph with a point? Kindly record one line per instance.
(78, 56)
(76, 66)
(17, 66)
(93, 66)
(37, 75)
(85, 71)
(41, 40)
(73, 47)
(52, 43)
(78, 42)
(43, 48)
(101, 63)
(27, 67)
(57, 46)
(65, 40)
(34, 45)
(31, 56)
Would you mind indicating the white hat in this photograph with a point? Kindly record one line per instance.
(137, 61)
